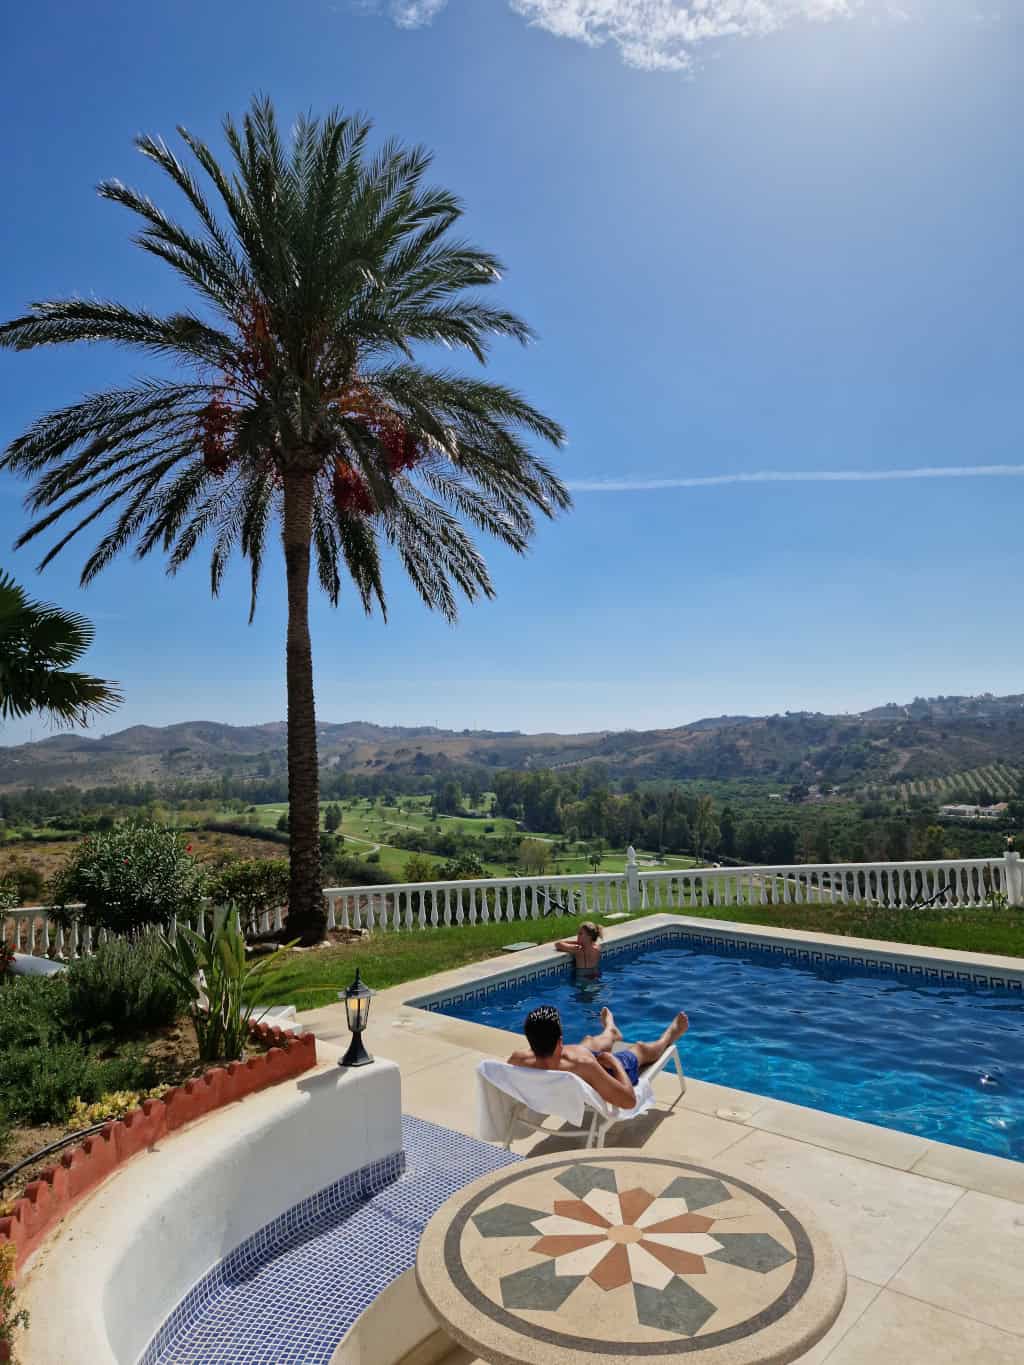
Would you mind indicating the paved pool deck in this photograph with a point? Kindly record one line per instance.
(932, 1235)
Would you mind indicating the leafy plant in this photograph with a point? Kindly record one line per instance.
(43, 1067)
(10, 1317)
(111, 1106)
(23, 882)
(130, 878)
(222, 989)
(123, 990)
(41, 1084)
(254, 886)
(38, 645)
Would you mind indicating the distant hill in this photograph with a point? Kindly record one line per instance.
(888, 745)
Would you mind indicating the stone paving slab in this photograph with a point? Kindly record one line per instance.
(891, 1199)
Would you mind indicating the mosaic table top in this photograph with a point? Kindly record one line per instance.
(611, 1255)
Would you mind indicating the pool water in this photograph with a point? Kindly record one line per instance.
(944, 1060)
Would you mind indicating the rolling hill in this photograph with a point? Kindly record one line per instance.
(894, 745)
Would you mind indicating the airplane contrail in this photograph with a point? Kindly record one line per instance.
(976, 471)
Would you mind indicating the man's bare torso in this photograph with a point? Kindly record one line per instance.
(606, 1076)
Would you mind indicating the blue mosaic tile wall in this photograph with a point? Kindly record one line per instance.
(728, 945)
(290, 1292)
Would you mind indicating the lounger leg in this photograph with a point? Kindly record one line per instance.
(679, 1068)
(513, 1115)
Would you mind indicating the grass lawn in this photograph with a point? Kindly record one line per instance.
(387, 958)
(371, 826)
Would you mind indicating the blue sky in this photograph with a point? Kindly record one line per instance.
(788, 247)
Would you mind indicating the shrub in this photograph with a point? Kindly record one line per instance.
(112, 1106)
(264, 832)
(131, 878)
(33, 1011)
(253, 885)
(419, 869)
(373, 857)
(222, 1005)
(28, 883)
(41, 1084)
(124, 990)
(10, 1318)
(348, 871)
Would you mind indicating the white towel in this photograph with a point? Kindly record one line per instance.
(503, 1089)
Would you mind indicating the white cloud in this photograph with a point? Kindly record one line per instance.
(975, 471)
(664, 35)
(415, 13)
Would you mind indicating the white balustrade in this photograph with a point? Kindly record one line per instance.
(947, 882)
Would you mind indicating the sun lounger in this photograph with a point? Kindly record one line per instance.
(513, 1101)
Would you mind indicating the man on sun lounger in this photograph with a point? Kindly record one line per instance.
(603, 1060)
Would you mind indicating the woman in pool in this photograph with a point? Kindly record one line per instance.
(585, 947)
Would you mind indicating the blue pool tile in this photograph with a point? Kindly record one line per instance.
(339, 1248)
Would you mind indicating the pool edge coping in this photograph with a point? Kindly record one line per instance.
(946, 1163)
(544, 957)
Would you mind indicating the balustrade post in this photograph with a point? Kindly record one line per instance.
(1013, 872)
(632, 880)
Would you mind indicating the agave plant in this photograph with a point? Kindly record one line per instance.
(302, 403)
(221, 988)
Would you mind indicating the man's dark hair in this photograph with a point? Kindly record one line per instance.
(543, 1029)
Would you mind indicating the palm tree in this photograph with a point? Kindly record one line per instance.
(38, 645)
(300, 402)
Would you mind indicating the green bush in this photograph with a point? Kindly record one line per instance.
(257, 831)
(33, 1012)
(124, 990)
(131, 878)
(40, 1085)
(20, 885)
(345, 870)
(43, 1067)
(253, 885)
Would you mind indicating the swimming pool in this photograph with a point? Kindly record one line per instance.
(942, 1059)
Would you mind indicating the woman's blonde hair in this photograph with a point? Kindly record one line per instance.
(594, 930)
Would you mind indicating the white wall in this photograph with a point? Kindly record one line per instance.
(101, 1286)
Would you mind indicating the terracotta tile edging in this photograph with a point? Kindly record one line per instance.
(50, 1197)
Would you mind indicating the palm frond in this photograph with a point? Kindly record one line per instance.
(38, 645)
(321, 267)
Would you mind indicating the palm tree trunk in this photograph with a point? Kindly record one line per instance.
(307, 920)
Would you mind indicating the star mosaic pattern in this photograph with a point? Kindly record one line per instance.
(614, 1232)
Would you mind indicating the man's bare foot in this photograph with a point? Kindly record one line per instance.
(608, 1020)
(678, 1026)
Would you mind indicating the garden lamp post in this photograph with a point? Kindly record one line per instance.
(357, 1012)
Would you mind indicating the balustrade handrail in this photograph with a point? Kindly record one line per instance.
(475, 883)
(406, 905)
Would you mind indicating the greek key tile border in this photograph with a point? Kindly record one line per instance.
(885, 965)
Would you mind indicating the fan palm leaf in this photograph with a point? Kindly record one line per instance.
(39, 644)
